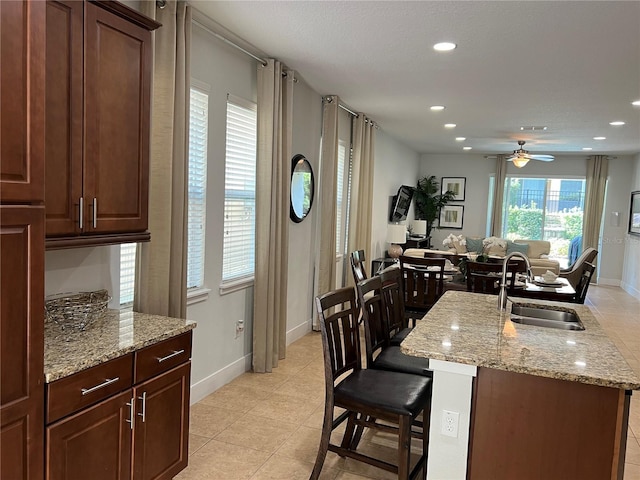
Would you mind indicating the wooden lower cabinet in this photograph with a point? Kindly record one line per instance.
(100, 441)
(161, 440)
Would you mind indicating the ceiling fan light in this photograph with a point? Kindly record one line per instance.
(520, 161)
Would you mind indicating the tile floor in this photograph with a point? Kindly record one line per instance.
(267, 426)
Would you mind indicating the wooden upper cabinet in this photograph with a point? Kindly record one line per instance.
(99, 67)
(22, 47)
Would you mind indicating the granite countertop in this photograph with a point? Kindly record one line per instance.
(115, 334)
(467, 328)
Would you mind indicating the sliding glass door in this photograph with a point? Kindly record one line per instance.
(545, 209)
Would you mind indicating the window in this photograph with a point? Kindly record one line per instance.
(340, 214)
(127, 273)
(545, 209)
(197, 187)
(238, 256)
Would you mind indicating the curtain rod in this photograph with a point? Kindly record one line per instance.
(347, 109)
(229, 42)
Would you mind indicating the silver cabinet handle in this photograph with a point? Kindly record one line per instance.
(175, 353)
(95, 212)
(132, 409)
(108, 381)
(81, 213)
(144, 406)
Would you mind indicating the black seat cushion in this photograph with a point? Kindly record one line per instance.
(400, 393)
(392, 358)
(397, 339)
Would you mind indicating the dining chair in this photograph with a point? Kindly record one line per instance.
(574, 272)
(380, 354)
(368, 396)
(583, 283)
(422, 283)
(358, 269)
(484, 277)
(394, 301)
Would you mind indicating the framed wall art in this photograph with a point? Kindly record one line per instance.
(451, 216)
(456, 185)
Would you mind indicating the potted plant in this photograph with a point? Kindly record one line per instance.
(429, 200)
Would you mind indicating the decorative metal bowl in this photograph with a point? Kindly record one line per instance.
(76, 310)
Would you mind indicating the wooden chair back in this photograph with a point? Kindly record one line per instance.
(358, 266)
(374, 315)
(340, 334)
(422, 281)
(583, 283)
(484, 277)
(394, 300)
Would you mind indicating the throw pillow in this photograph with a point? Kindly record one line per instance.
(474, 245)
(495, 246)
(517, 247)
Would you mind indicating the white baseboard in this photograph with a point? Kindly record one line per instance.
(220, 378)
(630, 289)
(612, 282)
(226, 374)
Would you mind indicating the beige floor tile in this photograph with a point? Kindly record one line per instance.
(633, 451)
(222, 461)
(286, 408)
(631, 471)
(236, 397)
(263, 381)
(284, 468)
(302, 444)
(258, 433)
(195, 442)
(350, 476)
(208, 421)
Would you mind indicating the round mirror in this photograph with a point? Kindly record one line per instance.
(302, 185)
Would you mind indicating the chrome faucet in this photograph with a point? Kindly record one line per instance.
(502, 296)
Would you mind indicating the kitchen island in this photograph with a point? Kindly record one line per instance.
(526, 402)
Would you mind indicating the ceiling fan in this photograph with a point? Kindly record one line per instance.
(521, 157)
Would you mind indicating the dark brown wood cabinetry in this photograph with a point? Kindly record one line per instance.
(99, 66)
(22, 46)
(103, 424)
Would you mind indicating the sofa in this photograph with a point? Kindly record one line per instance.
(536, 250)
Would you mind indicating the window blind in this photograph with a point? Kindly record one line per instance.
(197, 187)
(127, 273)
(339, 197)
(240, 191)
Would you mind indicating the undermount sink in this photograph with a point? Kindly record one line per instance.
(545, 317)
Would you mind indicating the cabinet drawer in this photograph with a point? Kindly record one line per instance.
(162, 356)
(87, 387)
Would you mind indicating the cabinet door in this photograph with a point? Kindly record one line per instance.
(92, 444)
(22, 46)
(64, 117)
(21, 341)
(117, 109)
(162, 425)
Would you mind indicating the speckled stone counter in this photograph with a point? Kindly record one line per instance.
(115, 334)
(467, 328)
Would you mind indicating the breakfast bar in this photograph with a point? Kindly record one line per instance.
(514, 400)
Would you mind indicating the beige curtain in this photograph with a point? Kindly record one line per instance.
(326, 273)
(597, 172)
(273, 179)
(498, 196)
(161, 270)
(361, 187)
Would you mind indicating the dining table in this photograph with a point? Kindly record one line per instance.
(559, 290)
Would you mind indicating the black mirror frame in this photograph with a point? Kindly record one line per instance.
(294, 161)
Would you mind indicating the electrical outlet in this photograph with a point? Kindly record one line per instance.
(239, 327)
(450, 423)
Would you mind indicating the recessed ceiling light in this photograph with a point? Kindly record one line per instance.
(460, 139)
(533, 128)
(449, 125)
(437, 108)
(466, 148)
(616, 123)
(599, 138)
(444, 46)
(587, 148)
(636, 103)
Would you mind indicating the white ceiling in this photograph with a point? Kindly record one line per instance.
(573, 66)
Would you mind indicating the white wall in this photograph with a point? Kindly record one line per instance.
(478, 169)
(631, 264)
(395, 165)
